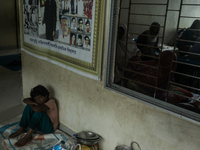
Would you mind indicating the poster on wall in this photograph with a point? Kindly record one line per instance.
(65, 32)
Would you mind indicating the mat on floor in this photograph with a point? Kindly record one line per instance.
(12, 62)
(39, 142)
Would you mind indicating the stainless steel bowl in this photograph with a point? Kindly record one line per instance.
(88, 135)
(88, 138)
(88, 142)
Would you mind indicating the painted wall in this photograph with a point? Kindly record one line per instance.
(8, 36)
(84, 104)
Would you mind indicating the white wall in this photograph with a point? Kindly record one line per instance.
(84, 104)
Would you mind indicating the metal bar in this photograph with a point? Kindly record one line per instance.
(142, 34)
(188, 64)
(172, 10)
(143, 25)
(186, 52)
(188, 17)
(147, 45)
(191, 4)
(190, 29)
(177, 28)
(187, 41)
(133, 62)
(140, 73)
(189, 87)
(186, 75)
(147, 15)
(147, 4)
(140, 83)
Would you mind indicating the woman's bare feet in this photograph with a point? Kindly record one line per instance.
(25, 139)
(18, 132)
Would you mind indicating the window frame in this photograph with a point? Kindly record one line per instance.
(109, 75)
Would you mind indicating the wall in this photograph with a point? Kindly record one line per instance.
(8, 36)
(84, 104)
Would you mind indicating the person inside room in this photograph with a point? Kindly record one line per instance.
(123, 52)
(147, 42)
(143, 75)
(191, 35)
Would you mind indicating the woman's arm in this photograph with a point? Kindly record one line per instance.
(39, 108)
(35, 106)
(29, 101)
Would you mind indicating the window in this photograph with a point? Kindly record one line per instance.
(154, 53)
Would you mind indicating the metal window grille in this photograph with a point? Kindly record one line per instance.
(185, 76)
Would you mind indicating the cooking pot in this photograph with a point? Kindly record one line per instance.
(87, 138)
(87, 135)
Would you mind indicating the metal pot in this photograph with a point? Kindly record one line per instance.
(88, 142)
(87, 135)
(87, 138)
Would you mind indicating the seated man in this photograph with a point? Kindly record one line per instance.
(190, 35)
(149, 40)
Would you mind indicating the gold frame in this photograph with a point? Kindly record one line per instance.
(93, 68)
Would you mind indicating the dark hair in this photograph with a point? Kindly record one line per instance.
(121, 30)
(80, 20)
(73, 34)
(154, 28)
(195, 23)
(155, 25)
(79, 36)
(87, 37)
(87, 22)
(39, 90)
(73, 18)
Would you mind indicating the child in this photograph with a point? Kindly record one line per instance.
(40, 113)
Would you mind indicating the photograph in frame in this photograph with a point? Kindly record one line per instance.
(70, 37)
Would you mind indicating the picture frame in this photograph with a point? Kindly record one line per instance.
(85, 61)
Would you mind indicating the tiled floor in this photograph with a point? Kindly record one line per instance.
(10, 90)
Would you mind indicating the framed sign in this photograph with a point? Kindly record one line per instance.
(66, 32)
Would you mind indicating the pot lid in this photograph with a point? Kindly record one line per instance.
(87, 135)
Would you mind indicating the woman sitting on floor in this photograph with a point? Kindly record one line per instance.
(40, 113)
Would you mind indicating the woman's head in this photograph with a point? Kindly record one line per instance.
(39, 91)
(154, 28)
(196, 24)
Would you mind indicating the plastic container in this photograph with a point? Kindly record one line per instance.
(71, 142)
(60, 145)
